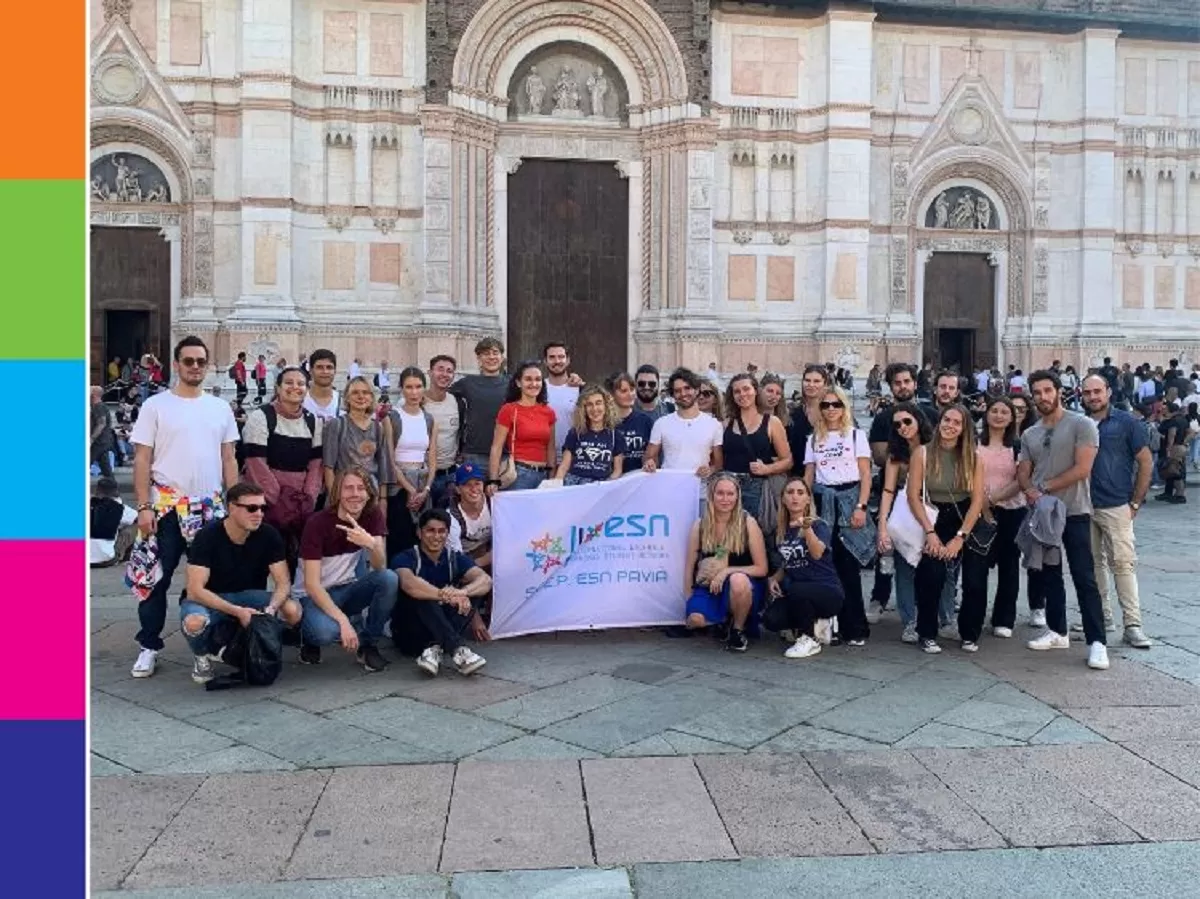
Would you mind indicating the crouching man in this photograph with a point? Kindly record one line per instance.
(437, 586)
(333, 582)
(228, 565)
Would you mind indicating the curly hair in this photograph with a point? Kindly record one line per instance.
(579, 419)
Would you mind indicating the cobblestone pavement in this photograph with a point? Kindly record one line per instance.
(624, 763)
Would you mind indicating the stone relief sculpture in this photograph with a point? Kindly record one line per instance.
(128, 178)
(962, 209)
(566, 93)
(535, 90)
(597, 86)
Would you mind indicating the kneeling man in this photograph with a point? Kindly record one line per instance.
(336, 582)
(439, 584)
(228, 564)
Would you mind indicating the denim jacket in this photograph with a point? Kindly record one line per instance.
(836, 508)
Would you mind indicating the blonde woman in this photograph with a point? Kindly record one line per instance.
(594, 449)
(356, 439)
(727, 561)
(949, 475)
(709, 399)
(837, 469)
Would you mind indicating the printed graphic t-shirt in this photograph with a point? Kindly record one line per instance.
(836, 456)
(635, 429)
(592, 452)
(799, 567)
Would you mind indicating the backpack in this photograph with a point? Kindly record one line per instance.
(256, 651)
(272, 417)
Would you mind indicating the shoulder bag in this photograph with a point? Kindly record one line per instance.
(907, 535)
(508, 467)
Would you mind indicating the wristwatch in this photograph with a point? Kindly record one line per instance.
(1135, 506)
(861, 507)
(961, 535)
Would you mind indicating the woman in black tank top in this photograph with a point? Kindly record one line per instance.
(755, 448)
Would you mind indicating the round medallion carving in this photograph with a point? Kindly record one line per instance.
(969, 125)
(116, 80)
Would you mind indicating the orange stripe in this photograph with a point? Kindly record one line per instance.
(43, 61)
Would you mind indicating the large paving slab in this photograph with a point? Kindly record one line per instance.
(286, 732)
(142, 739)
(550, 704)
(534, 746)
(1123, 724)
(375, 821)
(604, 883)
(806, 738)
(654, 809)
(899, 806)
(774, 805)
(454, 734)
(463, 693)
(517, 815)
(1180, 758)
(412, 886)
(636, 717)
(128, 814)
(1027, 805)
(236, 828)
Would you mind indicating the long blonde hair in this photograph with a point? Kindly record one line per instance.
(785, 516)
(820, 428)
(736, 539)
(579, 419)
(718, 410)
(964, 451)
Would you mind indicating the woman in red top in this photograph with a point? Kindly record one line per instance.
(524, 431)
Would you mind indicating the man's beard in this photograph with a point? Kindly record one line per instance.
(685, 403)
(647, 396)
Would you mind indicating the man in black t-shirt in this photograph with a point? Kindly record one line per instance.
(228, 564)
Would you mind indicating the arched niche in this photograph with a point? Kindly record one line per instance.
(117, 176)
(566, 81)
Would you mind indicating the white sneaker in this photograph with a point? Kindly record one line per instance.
(823, 631)
(970, 646)
(1098, 657)
(202, 670)
(910, 634)
(430, 660)
(803, 648)
(147, 661)
(467, 661)
(1002, 632)
(1037, 618)
(930, 646)
(949, 632)
(874, 610)
(1050, 640)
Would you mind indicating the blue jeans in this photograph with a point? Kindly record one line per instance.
(201, 643)
(906, 590)
(1077, 548)
(375, 593)
(152, 611)
(528, 478)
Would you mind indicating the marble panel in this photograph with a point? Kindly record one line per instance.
(1166, 85)
(1193, 102)
(340, 43)
(1191, 293)
(781, 278)
(1135, 86)
(765, 66)
(743, 277)
(337, 271)
(991, 67)
(916, 73)
(952, 63)
(143, 21)
(387, 37)
(186, 33)
(266, 263)
(1027, 81)
(845, 277)
(386, 263)
(1132, 286)
(1164, 287)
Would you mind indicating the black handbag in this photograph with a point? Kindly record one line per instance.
(982, 536)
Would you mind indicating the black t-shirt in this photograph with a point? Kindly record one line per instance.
(233, 567)
(881, 424)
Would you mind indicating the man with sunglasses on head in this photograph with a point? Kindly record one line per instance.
(1056, 461)
(649, 400)
(184, 457)
(227, 573)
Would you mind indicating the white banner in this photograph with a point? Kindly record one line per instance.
(594, 556)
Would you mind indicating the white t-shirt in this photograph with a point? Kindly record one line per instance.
(384, 379)
(477, 529)
(981, 381)
(836, 456)
(1018, 382)
(562, 399)
(445, 413)
(412, 443)
(323, 412)
(687, 443)
(103, 551)
(355, 370)
(186, 435)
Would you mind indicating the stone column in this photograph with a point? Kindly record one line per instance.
(173, 234)
(631, 171)
(266, 295)
(1098, 203)
(846, 313)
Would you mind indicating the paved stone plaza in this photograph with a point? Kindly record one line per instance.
(625, 764)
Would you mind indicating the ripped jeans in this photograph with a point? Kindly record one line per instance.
(201, 644)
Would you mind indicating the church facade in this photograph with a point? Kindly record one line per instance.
(666, 181)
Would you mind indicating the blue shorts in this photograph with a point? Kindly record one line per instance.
(715, 607)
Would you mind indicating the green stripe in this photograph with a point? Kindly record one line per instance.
(43, 237)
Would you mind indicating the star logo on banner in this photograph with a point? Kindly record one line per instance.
(545, 553)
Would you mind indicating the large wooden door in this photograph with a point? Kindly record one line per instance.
(960, 311)
(568, 263)
(130, 273)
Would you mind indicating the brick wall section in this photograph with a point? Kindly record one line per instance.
(690, 23)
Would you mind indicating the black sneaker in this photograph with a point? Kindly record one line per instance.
(291, 636)
(1164, 497)
(1178, 498)
(310, 655)
(737, 641)
(371, 660)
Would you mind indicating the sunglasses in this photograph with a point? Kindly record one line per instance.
(832, 404)
(707, 393)
(1046, 440)
(904, 422)
(651, 384)
(193, 362)
(252, 508)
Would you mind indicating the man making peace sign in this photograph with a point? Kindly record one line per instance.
(343, 571)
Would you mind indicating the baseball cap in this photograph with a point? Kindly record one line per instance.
(467, 472)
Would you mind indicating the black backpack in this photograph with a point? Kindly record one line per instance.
(256, 651)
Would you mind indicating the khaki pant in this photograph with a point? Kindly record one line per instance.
(1113, 550)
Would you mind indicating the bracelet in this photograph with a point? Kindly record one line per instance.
(930, 533)
(145, 507)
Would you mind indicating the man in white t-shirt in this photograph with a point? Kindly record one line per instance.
(322, 400)
(687, 439)
(449, 410)
(562, 390)
(184, 442)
